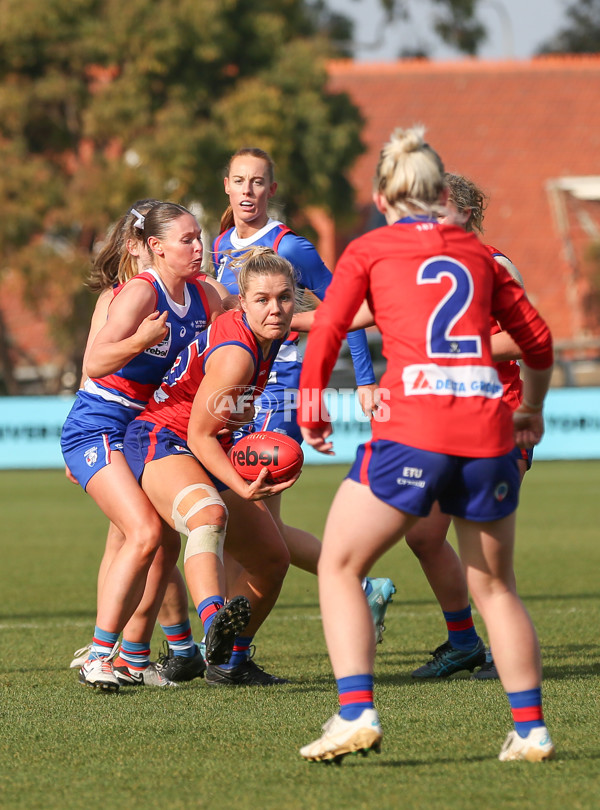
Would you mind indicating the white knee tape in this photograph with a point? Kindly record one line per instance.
(205, 539)
(212, 499)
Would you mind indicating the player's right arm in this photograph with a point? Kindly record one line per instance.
(517, 316)
(98, 320)
(133, 325)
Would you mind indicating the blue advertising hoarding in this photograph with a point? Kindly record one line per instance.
(30, 428)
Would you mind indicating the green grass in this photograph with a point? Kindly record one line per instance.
(63, 746)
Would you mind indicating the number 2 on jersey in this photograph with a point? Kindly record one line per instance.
(441, 342)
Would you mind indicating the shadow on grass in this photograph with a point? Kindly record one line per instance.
(560, 673)
(561, 756)
(435, 762)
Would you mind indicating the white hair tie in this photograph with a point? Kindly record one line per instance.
(139, 223)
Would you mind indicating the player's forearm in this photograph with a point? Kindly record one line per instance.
(536, 383)
(210, 454)
(361, 357)
(303, 321)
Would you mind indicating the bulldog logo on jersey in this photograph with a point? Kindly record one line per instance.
(91, 456)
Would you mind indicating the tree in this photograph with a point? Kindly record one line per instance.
(103, 102)
(457, 25)
(582, 33)
(454, 21)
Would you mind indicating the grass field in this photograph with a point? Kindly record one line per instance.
(63, 746)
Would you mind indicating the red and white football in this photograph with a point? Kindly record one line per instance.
(280, 454)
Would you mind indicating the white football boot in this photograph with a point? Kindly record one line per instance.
(535, 747)
(343, 737)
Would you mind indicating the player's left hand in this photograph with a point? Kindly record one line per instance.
(317, 438)
(70, 475)
(369, 398)
(528, 426)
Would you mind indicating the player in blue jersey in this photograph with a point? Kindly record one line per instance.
(122, 256)
(250, 184)
(150, 320)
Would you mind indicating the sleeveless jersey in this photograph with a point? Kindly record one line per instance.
(432, 289)
(171, 404)
(133, 384)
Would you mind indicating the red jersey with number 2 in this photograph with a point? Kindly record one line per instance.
(432, 289)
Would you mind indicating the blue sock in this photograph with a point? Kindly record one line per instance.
(241, 647)
(367, 586)
(180, 639)
(103, 643)
(355, 695)
(461, 630)
(526, 708)
(135, 654)
(207, 610)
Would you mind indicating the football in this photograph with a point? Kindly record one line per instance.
(280, 454)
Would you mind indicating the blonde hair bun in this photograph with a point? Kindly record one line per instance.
(410, 174)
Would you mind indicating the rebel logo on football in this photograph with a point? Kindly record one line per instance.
(250, 458)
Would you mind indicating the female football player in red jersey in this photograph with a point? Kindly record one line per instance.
(152, 317)
(444, 432)
(463, 649)
(175, 450)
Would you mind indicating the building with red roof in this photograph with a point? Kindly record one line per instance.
(527, 132)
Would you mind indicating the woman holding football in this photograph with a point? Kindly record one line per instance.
(448, 436)
(177, 451)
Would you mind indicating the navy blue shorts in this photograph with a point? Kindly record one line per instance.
(146, 442)
(478, 489)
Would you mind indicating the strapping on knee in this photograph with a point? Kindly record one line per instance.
(212, 498)
(205, 539)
